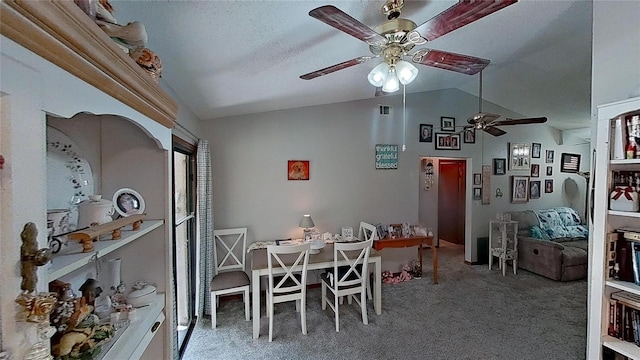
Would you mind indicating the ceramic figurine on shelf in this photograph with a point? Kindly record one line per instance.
(90, 291)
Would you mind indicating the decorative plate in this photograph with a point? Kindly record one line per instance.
(69, 176)
(128, 202)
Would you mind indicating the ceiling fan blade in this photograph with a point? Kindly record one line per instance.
(536, 120)
(485, 118)
(340, 20)
(336, 67)
(464, 64)
(459, 15)
(494, 131)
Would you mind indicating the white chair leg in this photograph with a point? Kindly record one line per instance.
(341, 300)
(363, 307)
(213, 310)
(297, 305)
(369, 295)
(303, 315)
(349, 300)
(247, 312)
(324, 296)
(335, 303)
(270, 311)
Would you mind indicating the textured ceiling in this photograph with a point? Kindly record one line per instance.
(225, 58)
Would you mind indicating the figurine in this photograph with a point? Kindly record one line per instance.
(90, 291)
(31, 257)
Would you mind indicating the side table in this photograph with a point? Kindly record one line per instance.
(503, 244)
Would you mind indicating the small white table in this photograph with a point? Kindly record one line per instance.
(503, 243)
(323, 260)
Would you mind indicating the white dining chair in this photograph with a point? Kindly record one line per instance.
(230, 248)
(348, 283)
(292, 285)
(368, 232)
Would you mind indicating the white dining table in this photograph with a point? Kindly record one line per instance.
(322, 260)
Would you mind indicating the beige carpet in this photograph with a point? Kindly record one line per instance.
(473, 313)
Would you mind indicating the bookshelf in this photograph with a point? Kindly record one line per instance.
(606, 221)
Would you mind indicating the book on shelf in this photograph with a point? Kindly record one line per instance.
(635, 260)
(612, 246)
(630, 299)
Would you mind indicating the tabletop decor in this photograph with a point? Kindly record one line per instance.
(128, 202)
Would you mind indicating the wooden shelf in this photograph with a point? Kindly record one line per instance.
(137, 336)
(624, 213)
(622, 347)
(64, 264)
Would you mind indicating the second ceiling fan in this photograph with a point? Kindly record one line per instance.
(396, 37)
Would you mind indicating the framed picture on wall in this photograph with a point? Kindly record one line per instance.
(447, 141)
(549, 170)
(477, 179)
(519, 189)
(477, 193)
(447, 123)
(535, 170)
(426, 133)
(549, 157)
(548, 186)
(298, 170)
(499, 166)
(519, 156)
(536, 148)
(534, 191)
(569, 163)
(470, 136)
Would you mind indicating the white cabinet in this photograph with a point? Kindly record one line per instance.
(606, 221)
(56, 63)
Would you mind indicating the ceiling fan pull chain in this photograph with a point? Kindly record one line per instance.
(404, 117)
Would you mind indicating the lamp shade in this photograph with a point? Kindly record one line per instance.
(378, 74)
(306, 222)
(391, 84)
(406, 72)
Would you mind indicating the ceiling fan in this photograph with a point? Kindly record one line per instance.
(487, 122)
(395, 38)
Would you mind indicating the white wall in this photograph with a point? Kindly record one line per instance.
(250, 156)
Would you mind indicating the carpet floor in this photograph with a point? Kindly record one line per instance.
(473, 313)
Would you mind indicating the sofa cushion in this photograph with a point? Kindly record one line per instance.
(568, 216)
(573, 256)
(556, 232)
(580, 244)
(577, 231)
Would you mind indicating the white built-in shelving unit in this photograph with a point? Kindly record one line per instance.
(606, 221)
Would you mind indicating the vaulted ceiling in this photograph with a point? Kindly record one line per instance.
(225, 58)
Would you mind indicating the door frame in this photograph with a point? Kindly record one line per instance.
(470, 247)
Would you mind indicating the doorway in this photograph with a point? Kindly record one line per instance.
(184, 239)
(451, 200)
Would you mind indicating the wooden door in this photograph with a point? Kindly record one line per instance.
(451, 200)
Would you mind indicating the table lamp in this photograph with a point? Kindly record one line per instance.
(306, 223)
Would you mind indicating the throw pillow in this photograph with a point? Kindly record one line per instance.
(548, 218)
(557, 232)
(568, 216)
(577, 231)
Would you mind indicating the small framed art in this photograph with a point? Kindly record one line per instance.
(535, 170)
(519, 189)
(447, 141)
(549, 157)
(569, 163)
(477, 193)
(499, 166)
(477, 179)
(534, 192)
(470, 136)
(548, 186)
(426, 133)
(536, 149)
(447, 123)
(298, 170)
(549, 170)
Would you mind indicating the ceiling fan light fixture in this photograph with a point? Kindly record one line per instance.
(378, 75)
(406, 72)
(391, 84)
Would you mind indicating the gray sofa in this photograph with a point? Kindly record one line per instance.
(552, 243)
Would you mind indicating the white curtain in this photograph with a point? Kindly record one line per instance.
(205, 228)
